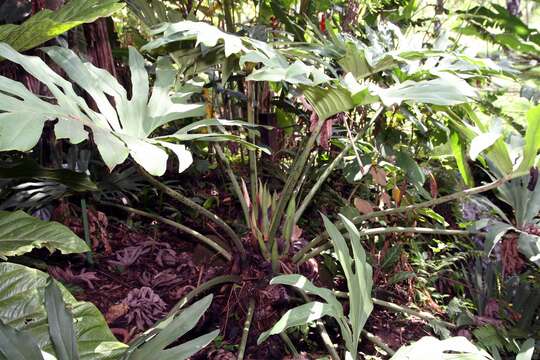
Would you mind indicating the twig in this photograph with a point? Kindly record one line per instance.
(404, 309)
(377, 341)
(289, 344)
(327, 341)
(198, 208)
(377, 231)
(357, 220)
(227, 255)
(202, 288)
(86, 229)
(245, 332)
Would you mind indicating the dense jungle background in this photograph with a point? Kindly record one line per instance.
(269, 179)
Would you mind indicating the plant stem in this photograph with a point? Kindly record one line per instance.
(326, 173)
(245, 332)
(420, 314)
(234, 181)
(356, 153)
(400, 308)
(377, 341)
(290, 184)
(289, 344)
(377, 231)
(250, 88)
(359, 219)
(228, 14)
(322, 331)
(198, 208)
(327, 341)
(86, 229)
(227, 255)
(202, 288)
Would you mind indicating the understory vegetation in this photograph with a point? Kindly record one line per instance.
(269, 179)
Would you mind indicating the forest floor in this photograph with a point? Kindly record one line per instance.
(138, 273)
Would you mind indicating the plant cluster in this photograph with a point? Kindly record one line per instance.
(350, 179)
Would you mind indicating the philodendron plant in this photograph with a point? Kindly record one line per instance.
(358, 274)
(118, 130)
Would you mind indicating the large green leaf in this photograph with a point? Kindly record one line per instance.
(458, 149)
(117, 132)
(532, 138)
(303, 283)
(446, 91)
(359, 275)
(185, 350)
(430, 348)
(169, 330)
(202, 32)
(496, 24)
(61, 329)
(22, 291)
(153, 12)
(17, 345)
(20, 233)
(300, 315)
(48, 24)
(330, 101)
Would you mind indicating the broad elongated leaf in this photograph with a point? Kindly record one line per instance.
(22, 307)
(154, 12)
(358, 274)
(20, 233)
(185, 350)
(429, 348)
(300, 315)
(296, 73)
(526, 350)
(60, 321)
(497, 25)
(47, 24)
(17, 345)
(202, 32)
(484, 141)
(494, 235)
(170, 329)
(446, 91)
(329, 102)
(458, 149)
(532, 138)
(303, 283)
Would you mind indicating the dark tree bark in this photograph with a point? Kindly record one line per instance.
(350, 18)
(98, 45)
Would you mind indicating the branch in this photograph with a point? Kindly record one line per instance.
(227, 255)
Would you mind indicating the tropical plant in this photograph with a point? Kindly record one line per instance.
(358, 274)
(48, 24)
(117, 132)
(458, 348)
(505, 150)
